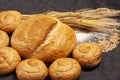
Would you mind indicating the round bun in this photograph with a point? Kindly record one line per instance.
(64, 69)
(31, 69)
(4, 39)
(44, 37)
(9, 59)
(9, 20)
(88, 54)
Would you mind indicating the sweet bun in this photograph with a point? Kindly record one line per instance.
(9, 59)
(9, 20)
(4, 39)
(31, 69)
(44, 37)
(88, 54)
(64, 69)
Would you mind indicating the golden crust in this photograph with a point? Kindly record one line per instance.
(59, 43)
(4, 39)
(44, 37)
(9, 59)
(31, 69)
(30, 34)
(64, 69)
(9, 20)
(87, 54)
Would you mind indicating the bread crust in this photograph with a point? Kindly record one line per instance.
(4, 39)
(9, 59)
(31, 69)
(64, 69)
(9, 20)
(88, 54)
(44, 37)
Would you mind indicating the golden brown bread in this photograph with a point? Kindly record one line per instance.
(43, 37)
(31, 69)
(9, 20)
(9, 59)
(4, 39)
(64, 69)
(88, 54)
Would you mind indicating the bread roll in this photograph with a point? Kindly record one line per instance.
(31, 69)
(9, 59)
(4, 39)
(88, 54)
(44, 37)
(64, 69)
(9, 20)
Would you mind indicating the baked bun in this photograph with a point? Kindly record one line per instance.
(88, 54)
(64, 69)
(4, 39)
(44, 37)
(31, 69)
(9, 20)
(9, 59)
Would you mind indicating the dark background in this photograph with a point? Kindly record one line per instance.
(109, 69)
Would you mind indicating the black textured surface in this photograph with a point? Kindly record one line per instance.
(109, 69)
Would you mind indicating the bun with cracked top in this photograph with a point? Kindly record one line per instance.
(64, 69)
(9, 59)
(31, 69)
(9, 20)
(87, 54)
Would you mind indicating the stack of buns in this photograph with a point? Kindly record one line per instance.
(39, 40)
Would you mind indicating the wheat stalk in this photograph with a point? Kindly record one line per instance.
(100, 20)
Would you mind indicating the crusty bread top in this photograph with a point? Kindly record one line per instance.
(44, 37)
(68, 67)
(31, 69)
(4, 39)
(9, 20)
(9, 59)
(88, 54)
(32, 33)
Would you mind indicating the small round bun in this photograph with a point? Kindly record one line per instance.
(88, 54)
(9, 20)
(31, 69)
(64, 69)
(4, 39)
(9, 59)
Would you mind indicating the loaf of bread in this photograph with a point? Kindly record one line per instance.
(88, 54)
(4, 39)
(9, 59)
(64, 69)
(9, 20)
(31, 69)
(44, 37)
